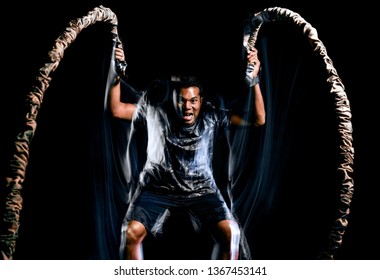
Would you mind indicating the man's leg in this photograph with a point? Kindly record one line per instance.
(228, 240)
(135, 234)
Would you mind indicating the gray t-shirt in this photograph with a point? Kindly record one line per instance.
(179, 158)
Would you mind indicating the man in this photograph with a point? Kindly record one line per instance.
(182, 130)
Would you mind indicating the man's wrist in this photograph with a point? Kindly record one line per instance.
(252, 81)
(121, 67)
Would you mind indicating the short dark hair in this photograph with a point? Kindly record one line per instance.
(161, 90)
(186, 81)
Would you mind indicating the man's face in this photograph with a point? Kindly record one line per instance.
(189, 104)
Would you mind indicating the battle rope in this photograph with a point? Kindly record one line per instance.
(10, 214)
(342, 109)
(13, 183)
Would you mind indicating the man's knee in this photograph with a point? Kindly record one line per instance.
(229, 231)
(135, 232)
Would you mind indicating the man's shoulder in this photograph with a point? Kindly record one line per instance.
(217, 114)
(213, 108)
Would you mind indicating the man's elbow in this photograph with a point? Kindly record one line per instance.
(123, 111)
(260, 120)
(116, 112)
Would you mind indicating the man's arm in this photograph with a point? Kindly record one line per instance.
(252, 80)
(118, 108)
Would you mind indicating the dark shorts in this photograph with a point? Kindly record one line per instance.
(152, 209)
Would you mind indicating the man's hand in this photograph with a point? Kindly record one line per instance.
(253, 67)
(119, 54)
(120, 63)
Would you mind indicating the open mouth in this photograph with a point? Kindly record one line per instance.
(188, 116)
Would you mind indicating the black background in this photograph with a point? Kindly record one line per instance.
(157, 36)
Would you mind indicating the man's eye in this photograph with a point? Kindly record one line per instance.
(192, 101)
